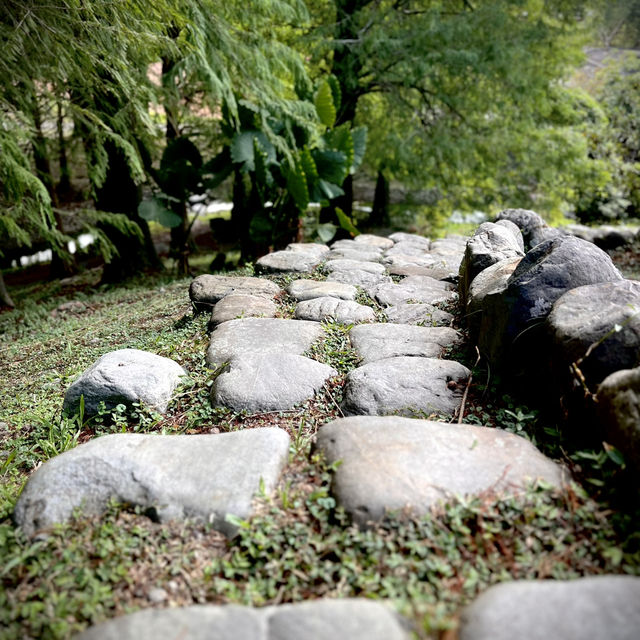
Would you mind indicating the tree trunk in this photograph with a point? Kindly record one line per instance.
(5, 298)
(380, 212)
(63, 188)
(241, 216)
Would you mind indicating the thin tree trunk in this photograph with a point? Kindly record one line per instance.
(5, 298)
(63, 188)
(380, 212)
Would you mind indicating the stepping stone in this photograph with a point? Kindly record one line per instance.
(242, 306)
(343, 311)
(401, 236)
(360, 252)
(344, 264)
(403, 261)
(206, 290)
(407, 249)
(392, 463)
(297, 257)
(383, 340)
(309, 289)
(439, 273)
(366, 280)
(405, 386)
(418, 289)
(202, 477)
(125, 376)
(373, 240)
(259, 336)
(421, 313)
(328, 619)
(352, 245)
(269, 382)
(584, 609)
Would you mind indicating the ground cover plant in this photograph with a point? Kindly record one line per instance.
(299, 545)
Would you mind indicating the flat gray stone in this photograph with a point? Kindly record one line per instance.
(125, 376)
(385, 340)
(344, 264)
(405, 386)
(439, 273)
(258, 336)
(240, 305)
(309, 289)
(361, 252)
(421, 314)
(407, 249)
(618, 410)
(343, 311)
(296, 258)
(330, 619)
(585, 319)
(590, 608)
(202, 477)
(401, 236)
(269, 382)
(312, 248)
(534, 229)
(352, 245)
(392, 463)
(417, 289)
(373, 240)
(366, 280)
(206, 290)
(403, 261)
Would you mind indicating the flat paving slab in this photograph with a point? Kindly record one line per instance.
(385, 340)
(405, 386)
(342, 311)
(269, 382)
(207, 289)
(258, 336)
(392, 463)
(238, 305)
(309, 289)
(590, 608)
(202, 477)
(297, 257)
(328, 619)
(416, 289)
(420, 313)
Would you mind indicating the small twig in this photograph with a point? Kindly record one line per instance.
(466, 391)
(333, 400)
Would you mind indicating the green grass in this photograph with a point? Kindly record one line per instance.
(299, 545)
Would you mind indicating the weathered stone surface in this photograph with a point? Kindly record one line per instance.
(343, 264)
(392, 463)
(407, 248)
(206, 290)
(242, 306)
(416, 288)
(618, 407)
(269, 382)
(549, 269)
(419, 314)
(204, 477)
(355, 619)
(124, 377)
(299, 258)
(403, 261)
(372, 240)
(532, 226)
(343, 311)
(514, 229)
(401, 236)
(362, 252)
(405, 386)
(585, 609)
(491, 243)
(439, 273)
(309, 289)
(385, 340)
(607, 313)
(366, 280)
(259, 336)
(448, 252)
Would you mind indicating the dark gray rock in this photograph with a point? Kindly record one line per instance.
(603, 319)
(534, 229)
(343, 311)
(241, 305)
(331, 619)
(372, 240)
(309, 289)
(549, 270)
(405, 386)
(392, 463)
(385, 340)
(417, 289)
(124, 377)
(269, 382)
(618, 410)
(206, 290)
(204, 477)
(260, 335)
(421, 314)
(585, 609)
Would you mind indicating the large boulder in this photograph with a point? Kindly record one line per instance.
(618, 411)
(513, 316)
(598, 325)
(391, 463)
(590, 608)
(125, 376)
(534, 229)
(203, 477)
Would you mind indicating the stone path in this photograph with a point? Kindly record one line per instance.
(389, 293)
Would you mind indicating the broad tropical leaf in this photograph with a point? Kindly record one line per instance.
(346, 223)
(324, 105)
(331, 165)
(359, 137)
(154, 210)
